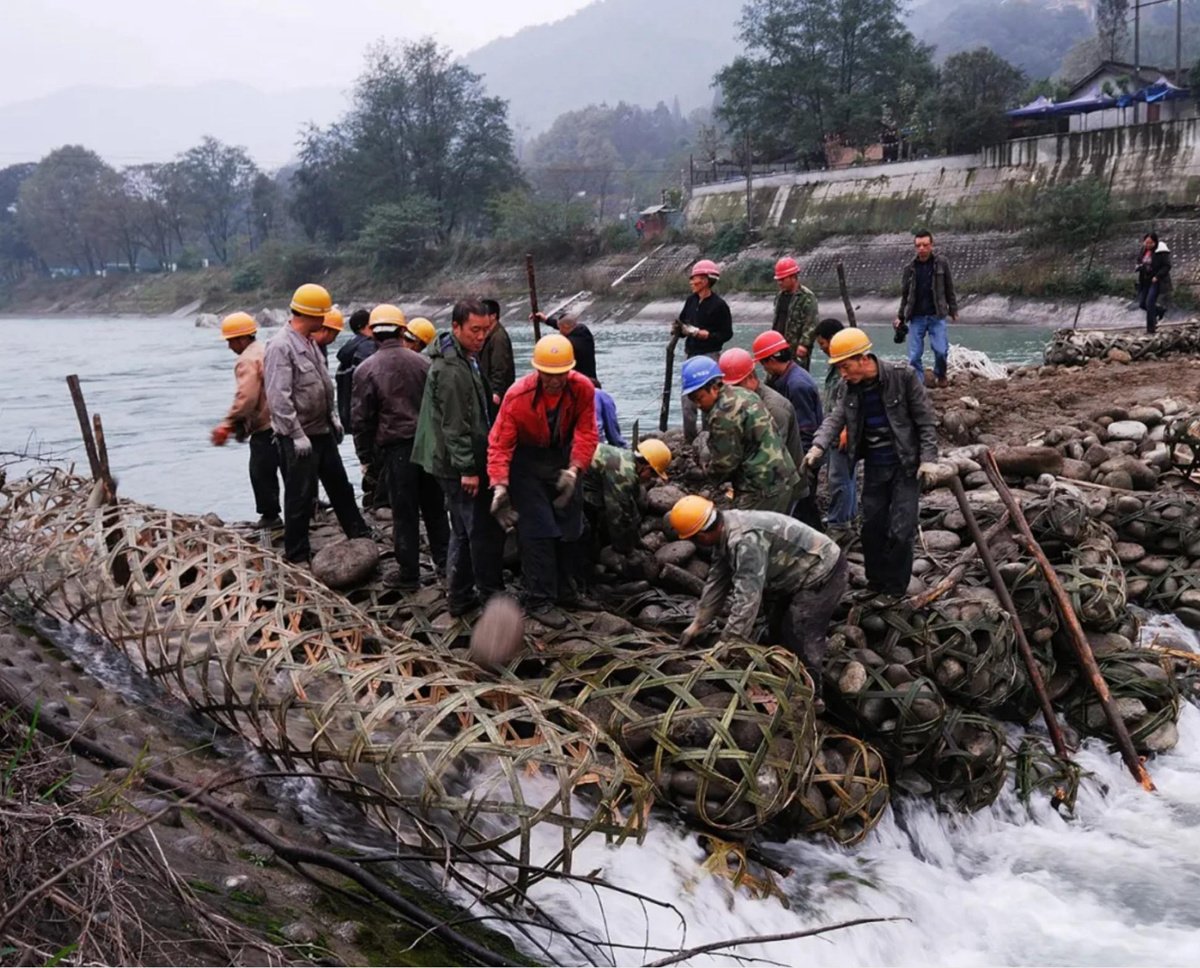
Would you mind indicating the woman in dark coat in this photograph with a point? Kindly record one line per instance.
(1154, 280)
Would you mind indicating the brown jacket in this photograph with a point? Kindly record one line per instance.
(387, 391)
(249, 413)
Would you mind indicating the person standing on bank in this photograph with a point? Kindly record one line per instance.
(891, 425)
(543, 439)
(1154, 280)
(926, 299)
(306, 424)
(451, 444)
(708, 325)
(356, 349)
(388, 390)
(582, 341)
(496, 358)
(796, 311)
(761, 556)
(249, 419)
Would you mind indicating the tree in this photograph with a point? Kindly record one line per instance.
(397, 234)
(16, 254)
(1111, 28)
(420, 124)
(218, 180)
(819, 68)
(61, 208)
(977, 88)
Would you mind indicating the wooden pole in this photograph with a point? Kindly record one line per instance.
(1001, 590)
(851, 319)
(85, 427)
(637, 437)
(110, 486)
(1079, 642)
(533, 299)
(955, 575)
(665, 409)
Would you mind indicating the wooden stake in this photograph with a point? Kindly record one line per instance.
(533, 299)
(851, 319)
(665, 409)
(1001, 590)
(955, 575)
(85, 427)
(1075, 633)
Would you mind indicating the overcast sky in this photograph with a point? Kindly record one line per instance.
(272, 44)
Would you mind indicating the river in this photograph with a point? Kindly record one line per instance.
(161, 384)
(1009, 885)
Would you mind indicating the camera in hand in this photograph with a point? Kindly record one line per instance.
(900, 333)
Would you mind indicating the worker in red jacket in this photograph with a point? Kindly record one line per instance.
(541, 443)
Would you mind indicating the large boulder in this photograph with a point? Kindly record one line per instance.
(1143, 476)
(346, 564)
(660, 499)
(1133, 430)
(1029, 461)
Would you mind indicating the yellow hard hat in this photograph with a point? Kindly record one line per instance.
(387, 314)
(311, 300)
(554, 354)
(657, 455)
(335, 320)
(238, 324)
(848, 342)
(691, 515)
(421, 329)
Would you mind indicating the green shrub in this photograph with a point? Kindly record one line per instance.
(1074, 213)
(247, 278)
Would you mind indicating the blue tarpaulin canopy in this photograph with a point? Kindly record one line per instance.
(1042, 107)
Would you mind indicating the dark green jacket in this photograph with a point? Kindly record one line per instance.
(452, 429)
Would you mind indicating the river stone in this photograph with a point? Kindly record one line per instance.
(1147, 415)
(660, 500)
(1096, 455)
(1129, 709)
(1117, 479)
(300, 932)
(203, 847)
(675, 553)
(653, 541)
(1144, 478)
(1128, 552)
(1119, 447)
(940, 541)
(345, 564)
(1116, 355)
(1163, 739)
(853, 678)
(1076, 470)
(1133, 430)
(208, 321)
(1107, 643)
(1028, 461)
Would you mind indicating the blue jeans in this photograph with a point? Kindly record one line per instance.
(843, 495)
(939, 341)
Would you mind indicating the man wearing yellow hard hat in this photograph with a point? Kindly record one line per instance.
(249, 418)
(543, 439)
(612, 489)
(891, 426)
(306, 424)
(330, 330)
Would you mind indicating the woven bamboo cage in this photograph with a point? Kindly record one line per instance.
(1167, 522)
(1142, 682)
(1182, 437)
(967, 763)
(1094, 577)
(1039, 769)
(264, 649)
(848, 795)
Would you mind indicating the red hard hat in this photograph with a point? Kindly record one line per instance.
(736, 365)
(706, 267)
(768, 343)
(787, 266)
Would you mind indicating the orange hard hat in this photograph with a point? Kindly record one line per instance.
(847, 343)
(238, 324)
(311, 300)
(554, 354)
(691, 515)
(335, 320)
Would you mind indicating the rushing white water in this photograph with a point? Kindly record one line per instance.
(1013, 884)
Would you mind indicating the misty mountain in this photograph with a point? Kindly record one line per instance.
(612, 50)
(154, 123)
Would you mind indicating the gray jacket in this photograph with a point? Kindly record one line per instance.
(909, 413)
(299, 388)
(944, 297)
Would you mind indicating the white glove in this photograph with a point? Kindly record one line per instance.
(813, 457)
(302, 445)
(565, 487)
(688, 330)
(931, 473)
(339, 433)
(502, 509)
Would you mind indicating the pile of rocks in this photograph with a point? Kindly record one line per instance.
(1072, 347)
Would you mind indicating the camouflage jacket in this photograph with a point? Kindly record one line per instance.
(611, 486)
(761, 554)
(746, 449)
(784, 417)
(800, 327)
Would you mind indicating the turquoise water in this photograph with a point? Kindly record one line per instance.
(162, 384)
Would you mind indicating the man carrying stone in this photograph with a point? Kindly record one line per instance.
(795, 311)
(744, 447)
(249, 418)
(496, 358)
(451, 444)
(890, 424)
(543, 439)
(926, 299)
(388, 390)
(760, 557)
(612, 488)
(708, 325)
(305, 420)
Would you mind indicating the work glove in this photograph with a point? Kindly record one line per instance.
(303, 446)
(565, 485)
(689, 330)
(687, 638)
(339, 433)
(220, 434)
(502, 509)
(813, 457)
(933, 474)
